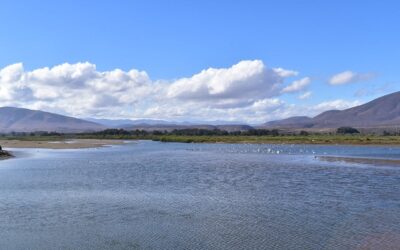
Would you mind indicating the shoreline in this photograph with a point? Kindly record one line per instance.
(60, 144)
(101, 142)
(282, 141)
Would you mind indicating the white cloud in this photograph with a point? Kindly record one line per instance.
(247, 91)
(335, 104)
(348, 76)
(285, 73)
(240, 85)
(75, 89)
(297, 85)
(305, 95)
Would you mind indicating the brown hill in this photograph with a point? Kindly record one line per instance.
(26, 120)
(381, 112)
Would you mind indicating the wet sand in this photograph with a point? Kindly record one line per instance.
(370, 161)
(67, 144)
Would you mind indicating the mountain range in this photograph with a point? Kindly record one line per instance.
(126, 123)
(170, 127)
(26, 120)
(383, 112)
(380, 113)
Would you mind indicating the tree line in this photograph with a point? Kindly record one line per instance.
(139, 133)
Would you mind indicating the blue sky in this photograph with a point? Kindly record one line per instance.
(175, 40)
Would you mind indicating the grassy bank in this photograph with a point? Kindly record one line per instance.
(281, 139)
(293, 139)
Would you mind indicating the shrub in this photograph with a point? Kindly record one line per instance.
(304, 133)
(347, 130)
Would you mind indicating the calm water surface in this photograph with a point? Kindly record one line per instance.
(151, 195)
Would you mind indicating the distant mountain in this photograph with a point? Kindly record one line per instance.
(234, 127)
(124, 123)
(292, 122)
(381, 112)
(26, 120)
(170, 127)
(154, 124)
(216, 122)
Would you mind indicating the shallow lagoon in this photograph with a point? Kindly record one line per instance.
(151, 195)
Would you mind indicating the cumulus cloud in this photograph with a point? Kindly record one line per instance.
(240, 85)
(348, 76)
(247, 91)
(75, 89)
(297, 85)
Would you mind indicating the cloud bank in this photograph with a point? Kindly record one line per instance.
(247, 91)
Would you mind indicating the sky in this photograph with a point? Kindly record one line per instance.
(238, 61)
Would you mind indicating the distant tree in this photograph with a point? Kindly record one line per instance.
(347, 130)
(157, 132)
(112, 132)
(304, 133)
(274, 132)
(236, 132)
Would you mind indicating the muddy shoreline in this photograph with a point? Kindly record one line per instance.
(62, 144)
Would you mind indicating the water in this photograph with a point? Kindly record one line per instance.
(151, 195)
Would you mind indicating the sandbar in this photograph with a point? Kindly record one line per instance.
(63, 144)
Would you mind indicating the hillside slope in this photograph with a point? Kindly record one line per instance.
(26, 120)
(381, 112)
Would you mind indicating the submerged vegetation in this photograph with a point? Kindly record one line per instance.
(195, 135)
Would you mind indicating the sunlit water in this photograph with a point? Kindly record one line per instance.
(151, 195)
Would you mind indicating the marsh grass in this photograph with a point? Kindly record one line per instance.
(281, 139)
(292, 139)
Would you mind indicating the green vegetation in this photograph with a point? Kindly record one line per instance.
(219, 136)
(347, 130)
(288, 139)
